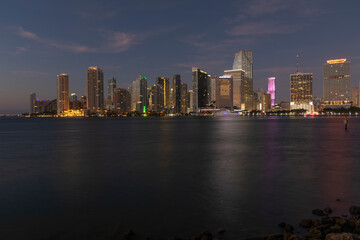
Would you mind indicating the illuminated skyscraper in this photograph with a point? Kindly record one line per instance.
(95, 90)
(176, 86)
(201, 83)
(110, 92)
(139, 95)
(355, 97)
(224, 91)
(237, 77)
(165, 83)
(244, 60)
(301, 91)
(62, 93)
(337, 80)
(32, 103)
(271, 89)
(184, 98)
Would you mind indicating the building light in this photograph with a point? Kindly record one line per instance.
(333, 61)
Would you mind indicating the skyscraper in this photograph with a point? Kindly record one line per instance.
(95, 90)
(271, 89)
(237, 77)
(110, 92)
(301, 91)
(32, 103)
(139, 95)
(355, 96)
(201, 83)
(165, 83)
(62, 93)
(121, 100)
(244, 60)
(176, 86)
(337, 80)
(224, 91)
(184, 98)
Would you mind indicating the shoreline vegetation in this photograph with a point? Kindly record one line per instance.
(323, 227)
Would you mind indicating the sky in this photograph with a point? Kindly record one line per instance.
(126, 38)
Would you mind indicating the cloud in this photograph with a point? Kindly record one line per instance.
(19, 50)
(260, 28)
(114, 42)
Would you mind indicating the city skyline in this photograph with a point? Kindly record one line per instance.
(33, 54)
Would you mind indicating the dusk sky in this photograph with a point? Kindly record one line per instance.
(40, 39)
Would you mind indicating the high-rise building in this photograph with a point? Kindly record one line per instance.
(301, 91)
(201, 83)
(355, 96)
(139, 95)
(271, 89)
(224, 91)
(337, 80)
(191, 100)
(238, 77)
(32, 103)
(165, 83)
(62, 93)
(156, 98)
(95, 90)
(121, 100)
(110, 92)
(176, 86)
(184, 98)
(212, 90)
(244, 60)
(265, 102)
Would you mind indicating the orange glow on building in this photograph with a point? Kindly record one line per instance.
(333, 61)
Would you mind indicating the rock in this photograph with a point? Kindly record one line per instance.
(206, 236)
(314, 233)
(339, 236)
(318, 212)
(328, 220)
(290, 236)
(328, 210)
(129, 234)
(274, 237)
(316, 223)
(221, 230)
(335, 229)
(306, 223)
(282, 225)
(354, 210)
(289, 228)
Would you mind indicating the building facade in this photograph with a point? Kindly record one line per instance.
(62, 93)
(184, 99)
(95, 90)
(224, 91)
(139, 95)
(165, 84)
(32, 103)
(271, 89)
(355, 97)
(237, 77)
(200, 82)
(176, 86)
(301, 91)
(121, 100)
(337, 80)
(110, 93)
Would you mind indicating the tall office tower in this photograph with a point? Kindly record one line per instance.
(224, 91)
(110, 91)
(32, 103)
(271, 89)
(355, 96)
(165, 83)
(265, 102)
(337, 80)
(62, 93)
(258, 99)
(95, 90)
(191, 100)
(200, 83)
(157, 98)
(212, 91)
(176, 85)
(121, 100)
(301, 91)
(244, 60)
(237, 76)
(139, 95)
(183, 98)
(73, 97)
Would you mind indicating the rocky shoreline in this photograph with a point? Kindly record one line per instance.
(323, 226)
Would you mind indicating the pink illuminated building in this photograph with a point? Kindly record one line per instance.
(271, 89)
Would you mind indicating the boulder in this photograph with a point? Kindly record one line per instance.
(339, 236)
(318, 212)
(335, 229)
(306, 223)
(314, 233)
(316, 223)
(354, 209)
(289, 228)
(328, 210)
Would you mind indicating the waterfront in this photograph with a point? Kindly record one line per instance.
(166, 177)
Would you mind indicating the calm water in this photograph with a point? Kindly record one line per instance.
(172, 177)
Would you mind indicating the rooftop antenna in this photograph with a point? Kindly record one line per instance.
(297, 63)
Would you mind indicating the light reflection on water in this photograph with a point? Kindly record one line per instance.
(173, 177)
